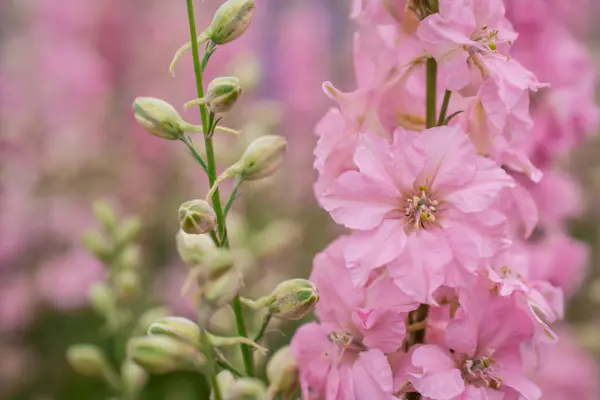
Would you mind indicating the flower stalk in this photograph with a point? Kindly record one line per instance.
(212, 176)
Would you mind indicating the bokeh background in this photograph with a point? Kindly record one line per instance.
(69, 71)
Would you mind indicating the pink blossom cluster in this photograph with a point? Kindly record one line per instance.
(458, 261)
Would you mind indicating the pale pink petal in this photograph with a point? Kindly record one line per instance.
(310, 347)
(419, 270)
(440, 379)
(369, 250)
(371, 377)
(382, 329)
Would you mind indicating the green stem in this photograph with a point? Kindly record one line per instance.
(431, 92)
(212, 175)
(233, 195)
(241, 328)
(263, 327)
(190, 145)
(225, 365)
(214, 384)
(444, 110)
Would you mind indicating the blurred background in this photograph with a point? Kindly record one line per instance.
(69, 71)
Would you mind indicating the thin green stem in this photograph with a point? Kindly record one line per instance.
(263, 327)
(214, 384)
(232, 196)
(431, 92)
(444, 110)
(225, 365)
(212, 175)
(241, 327)
(190, 145)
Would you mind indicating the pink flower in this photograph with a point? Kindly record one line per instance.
(423, 204)
(464, 35)
(480, 357)
(344, 355)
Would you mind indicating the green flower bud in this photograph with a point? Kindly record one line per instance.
(262, 157)
(128, 230)
(87, 359)
(148, 318)
(221, 291)
(161, 119)
(131, 257)
(225, 380)
(246, 389)
(102, 299)
(197, 217)
(163, 354)
(97, 244)
(230, 21)
(222, 94)
(177, 328)
(282, 373)
(134, 378)
(105, 214)
(193, 249)
(293, 299)
(127, 284)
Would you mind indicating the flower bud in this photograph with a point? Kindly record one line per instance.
(163, 354)
(262, 157)
(102, 298)
(128, 230)
(222, 94)
(246, 389)
(293, 299)
(134, 378)
(193, 248)
(158, 117)
(87, 359)
(177, 328)
(127, 284)
(230, 21)
(161, 119)
(130, 258)
(221, 291)
(282, 373)
(105, 214)
(97, 244)
(197, 217)
(148, 318)
(225, 380)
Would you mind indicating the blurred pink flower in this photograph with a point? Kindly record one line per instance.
(64, 281)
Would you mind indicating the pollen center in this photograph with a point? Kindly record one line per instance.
(480, 373)
(420, 209)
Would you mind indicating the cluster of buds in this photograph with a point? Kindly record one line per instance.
(177, 344)
(115, 245)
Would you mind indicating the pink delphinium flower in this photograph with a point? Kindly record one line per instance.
(423, 204)
(480, 356)
(464, 36)
(343, 357)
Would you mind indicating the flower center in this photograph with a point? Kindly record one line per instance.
(346, 341)
(487, 37)
(479, 372)
(420, 209)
